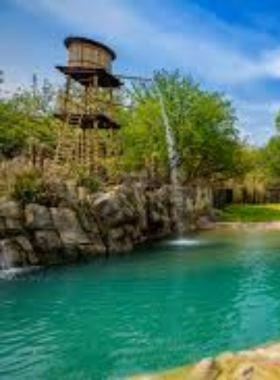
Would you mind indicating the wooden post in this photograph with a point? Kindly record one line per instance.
(62, 135)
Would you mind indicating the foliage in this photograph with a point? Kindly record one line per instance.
(277, 122)
(251, 213)
(253, 166)
(89, 181)
(12, 131)
(26, 120)
(28, 187)
(203, 124)
(271, 158)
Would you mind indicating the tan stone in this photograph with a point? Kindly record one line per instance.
(259, 364)
(38, 217)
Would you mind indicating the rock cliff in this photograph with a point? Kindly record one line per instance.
(79, 225)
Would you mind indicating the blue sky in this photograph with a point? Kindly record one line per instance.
(229, 46)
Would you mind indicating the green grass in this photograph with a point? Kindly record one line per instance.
(251, 213)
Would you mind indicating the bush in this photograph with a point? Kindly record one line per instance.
(28, 187)
(18, 128)
(89, 181)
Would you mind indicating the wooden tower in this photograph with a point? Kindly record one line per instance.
(86, 106)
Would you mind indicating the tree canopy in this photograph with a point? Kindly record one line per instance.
(27, 117)
(203, 124)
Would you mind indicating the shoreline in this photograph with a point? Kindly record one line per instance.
(267, 226)
(262, 362)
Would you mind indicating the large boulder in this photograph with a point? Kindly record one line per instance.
(119, 241)
(114, 212)
(38, 217)
(62, 194)
(88, 222)
(49, 247)
(10, 209)
(26, 246)
(10, 219)
(113, 209)
(16, 252)
(159, 216)
(76, 243)
(136, 196)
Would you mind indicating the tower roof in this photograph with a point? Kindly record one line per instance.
(74, 39)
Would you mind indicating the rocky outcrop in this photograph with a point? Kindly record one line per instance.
(78, 225)
(262, 363)
(11, 219)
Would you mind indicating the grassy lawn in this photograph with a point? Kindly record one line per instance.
(251, 213)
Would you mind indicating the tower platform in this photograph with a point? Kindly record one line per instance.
(85, 121)
(86, 76)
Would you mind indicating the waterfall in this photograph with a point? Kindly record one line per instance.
(5, 259)
(7, 269)
(177, 197)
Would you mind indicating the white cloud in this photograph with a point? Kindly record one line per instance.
(220, 54)
(204, 45)
(271, 63)
(259, 116)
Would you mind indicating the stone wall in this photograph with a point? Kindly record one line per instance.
(83, 225)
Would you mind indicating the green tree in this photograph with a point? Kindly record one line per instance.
(271, 158)
(203, 124)
(26, 120)
(277, 121)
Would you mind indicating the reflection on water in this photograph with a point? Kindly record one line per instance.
(182, 242)
(146, 311)
(11, 273)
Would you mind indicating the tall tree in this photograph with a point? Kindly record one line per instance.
(203, 125)
(26, 118)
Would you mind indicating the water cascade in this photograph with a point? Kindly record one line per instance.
(6, 261)
(173, 157)
(8, 269)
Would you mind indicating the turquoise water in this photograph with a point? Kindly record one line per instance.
(161, 306)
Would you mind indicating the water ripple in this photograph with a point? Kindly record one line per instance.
(141, 312)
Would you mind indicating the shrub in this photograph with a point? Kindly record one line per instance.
(28, 187)
(89, 181)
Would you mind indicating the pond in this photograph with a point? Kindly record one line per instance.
(165, 305)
